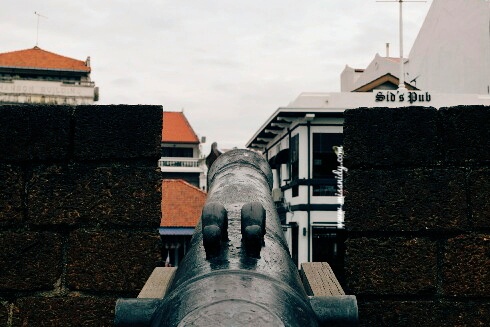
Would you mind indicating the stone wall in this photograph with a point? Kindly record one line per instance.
(79, 211)
(418, 215)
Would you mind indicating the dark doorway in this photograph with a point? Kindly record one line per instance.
(328, 245)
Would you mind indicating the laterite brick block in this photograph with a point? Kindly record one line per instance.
(405, 200)
(4, 313)
(466, 134)
(34, 132)
(118, 131)
(385, 136)
(29, 260)
(111, 261)
(11, 207)
(64, 311)
(96, 195)
(391, 266)
(469, 313)
(466, 269)
(399, 313)
(479, 186)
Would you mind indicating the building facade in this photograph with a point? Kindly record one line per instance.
(302, 143)
(184, 184)
(38, 76)
(303, 140)
(451, 53)
(182, 204)
(181, 151)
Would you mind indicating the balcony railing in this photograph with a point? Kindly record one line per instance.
(6, 79)
(179, 162)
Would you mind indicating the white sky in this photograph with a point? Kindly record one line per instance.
(228, 63)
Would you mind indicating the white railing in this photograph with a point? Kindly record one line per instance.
(179, 162)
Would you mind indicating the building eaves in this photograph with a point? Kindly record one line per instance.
(283, 116)
(387, 78)
(41, 60)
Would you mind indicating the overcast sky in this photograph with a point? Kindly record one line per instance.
(229, 64)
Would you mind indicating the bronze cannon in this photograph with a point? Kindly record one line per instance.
(238, 271)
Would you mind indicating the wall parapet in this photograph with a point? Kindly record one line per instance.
(418, 215)
(80, 207)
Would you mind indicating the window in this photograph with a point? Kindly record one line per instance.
(325, 162)
(294, 163)
(177, 152)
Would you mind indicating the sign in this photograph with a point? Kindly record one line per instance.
(400, 96)
(45, 88)
(339, 176)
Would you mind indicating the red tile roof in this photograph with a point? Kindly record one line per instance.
(182, 203)
(37, 58)
(176, 128)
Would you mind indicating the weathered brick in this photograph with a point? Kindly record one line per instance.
(11, 207)
(385, 136)
(400, 313)
(111, 261)
(423, 313)
(466, 268)
(479, 186)
(405, 200)
(52, 196)
(96, 195)
(466, 134)
(29, 260)
(391, 266)
(470, 313)
(34, 132)
(64, 311)
(4, 313)
(118, 131)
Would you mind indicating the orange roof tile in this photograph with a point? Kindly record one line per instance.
(182, 203)
(36, 58)
(176, 128)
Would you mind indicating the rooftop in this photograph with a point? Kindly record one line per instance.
(182, 203)
(37, 58)
(176, 128)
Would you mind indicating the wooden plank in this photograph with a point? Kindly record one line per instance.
(156, 286)
(319, 279)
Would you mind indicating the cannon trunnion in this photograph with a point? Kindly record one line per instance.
(238, 271)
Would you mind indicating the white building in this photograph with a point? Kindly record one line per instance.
(451, 53)
(38, 76)
(181, 151)
(298, 139)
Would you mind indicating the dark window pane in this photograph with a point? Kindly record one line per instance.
(294, 157)
(325, 161)
(177, 152)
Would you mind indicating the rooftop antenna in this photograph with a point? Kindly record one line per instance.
(401, 85)
(37, 34)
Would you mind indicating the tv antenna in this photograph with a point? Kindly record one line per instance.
(37, 34)
(401, 85)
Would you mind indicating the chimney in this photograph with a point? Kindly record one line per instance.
(387, 50)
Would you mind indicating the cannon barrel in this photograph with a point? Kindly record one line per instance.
(238, 271)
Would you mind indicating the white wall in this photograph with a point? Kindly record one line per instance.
(32, 91)
(452, 51)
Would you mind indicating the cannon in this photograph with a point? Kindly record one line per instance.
(238, 271)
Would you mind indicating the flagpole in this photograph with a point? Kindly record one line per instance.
(401, 86)
(401, 78)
